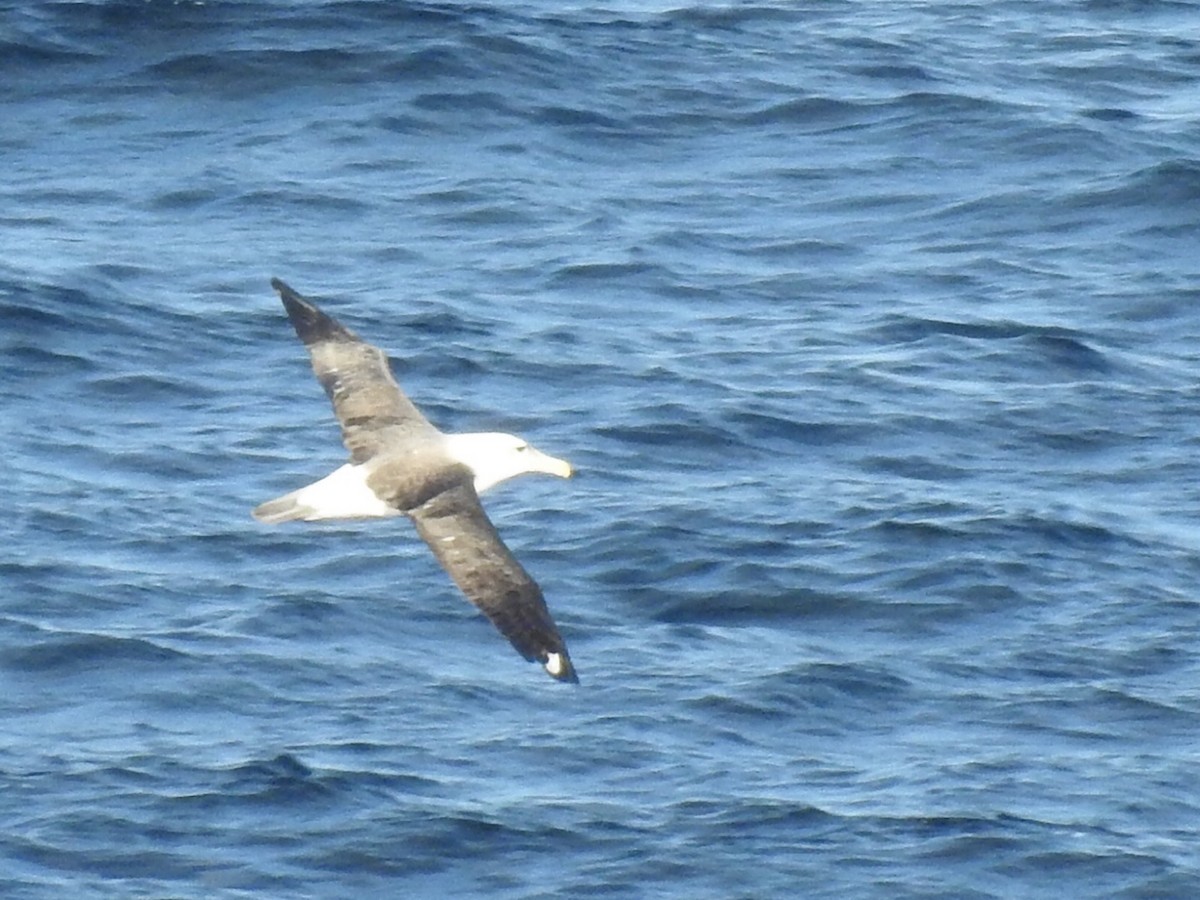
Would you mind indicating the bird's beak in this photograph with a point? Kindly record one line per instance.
(550, 465)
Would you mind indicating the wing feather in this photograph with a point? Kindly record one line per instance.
(369, 404)
(468, 546)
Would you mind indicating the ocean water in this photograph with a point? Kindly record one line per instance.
(872, 328)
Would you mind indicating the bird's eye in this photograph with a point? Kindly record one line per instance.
(521, 448)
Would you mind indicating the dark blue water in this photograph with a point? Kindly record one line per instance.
(874, 330)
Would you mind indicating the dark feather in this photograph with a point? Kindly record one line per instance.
(372, 410)
(468, 546)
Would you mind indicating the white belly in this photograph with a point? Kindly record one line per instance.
(343, 494)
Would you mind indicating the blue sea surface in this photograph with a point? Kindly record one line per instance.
(873, 330)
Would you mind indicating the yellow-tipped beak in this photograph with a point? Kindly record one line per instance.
(552, 466)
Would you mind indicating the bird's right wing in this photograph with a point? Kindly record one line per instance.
(468, 546)
(367, 400)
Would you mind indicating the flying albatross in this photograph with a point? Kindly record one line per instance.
(400, 464)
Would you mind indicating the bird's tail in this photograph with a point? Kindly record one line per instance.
(287, 508)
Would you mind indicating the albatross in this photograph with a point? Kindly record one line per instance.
(400, 464)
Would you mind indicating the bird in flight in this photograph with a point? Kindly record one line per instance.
(400, 464)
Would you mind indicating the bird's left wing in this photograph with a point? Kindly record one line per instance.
(370, 406)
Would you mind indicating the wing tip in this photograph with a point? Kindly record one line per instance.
(310, 322)
(558, 666)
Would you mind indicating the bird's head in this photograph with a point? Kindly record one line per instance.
(496, 457)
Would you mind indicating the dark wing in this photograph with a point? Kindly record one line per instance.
(467, 545)
(369, 404)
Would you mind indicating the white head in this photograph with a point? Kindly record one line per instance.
(495, 457)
